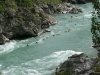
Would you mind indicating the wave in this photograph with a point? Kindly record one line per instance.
(42, 66)
(7, 47)
(88, 15)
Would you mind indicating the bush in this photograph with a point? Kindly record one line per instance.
(24, 3)
(2, 6)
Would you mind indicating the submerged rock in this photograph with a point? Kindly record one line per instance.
(77, 65)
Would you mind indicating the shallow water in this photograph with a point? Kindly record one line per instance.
(44, 53)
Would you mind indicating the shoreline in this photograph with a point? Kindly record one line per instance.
(29, 22)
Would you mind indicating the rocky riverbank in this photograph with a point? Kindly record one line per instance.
(64, 8)
(79, 65)
(22, 22)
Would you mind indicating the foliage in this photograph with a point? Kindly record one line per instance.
(2, 6)
(25, 3)
(95, 30)
(21, 19)
(97, 67)
(36, 16)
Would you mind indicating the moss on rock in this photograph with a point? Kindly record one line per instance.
(64, 73)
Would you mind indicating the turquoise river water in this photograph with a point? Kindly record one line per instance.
(69, 36)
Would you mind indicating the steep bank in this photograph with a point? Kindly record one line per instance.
(22, 22)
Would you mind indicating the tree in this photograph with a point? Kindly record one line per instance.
(95, 28)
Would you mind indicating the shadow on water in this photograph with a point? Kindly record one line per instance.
(95, 27)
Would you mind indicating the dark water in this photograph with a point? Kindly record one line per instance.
(41, 58)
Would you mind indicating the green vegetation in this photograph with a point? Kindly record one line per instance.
(64, 73)
(2, 6)
(24, 3)
(21, 19)
(36, 16)
(97, 67)
(95, 30)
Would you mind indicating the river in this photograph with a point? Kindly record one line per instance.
(44, 53)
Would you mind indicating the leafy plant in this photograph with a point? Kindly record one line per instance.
(36, 16)
(21, 19)
(95, 30)
(24, 3)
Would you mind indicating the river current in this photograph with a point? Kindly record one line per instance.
(44, 53)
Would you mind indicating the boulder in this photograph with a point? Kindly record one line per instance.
(72, 1)
(77, 65)
(98, 54)
(3, 39)
(79, 1)
(10, 12)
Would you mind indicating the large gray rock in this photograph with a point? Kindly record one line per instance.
(24, 22)
(77, 65)
(3, 39)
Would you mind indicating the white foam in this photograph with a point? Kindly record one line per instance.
(52, 32)
(42, 66)
(41, 40)
(7, 47)
(88, 15)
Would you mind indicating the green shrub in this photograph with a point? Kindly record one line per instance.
(25, 3)
(2, 8)
(21, 19)
(36, 16)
